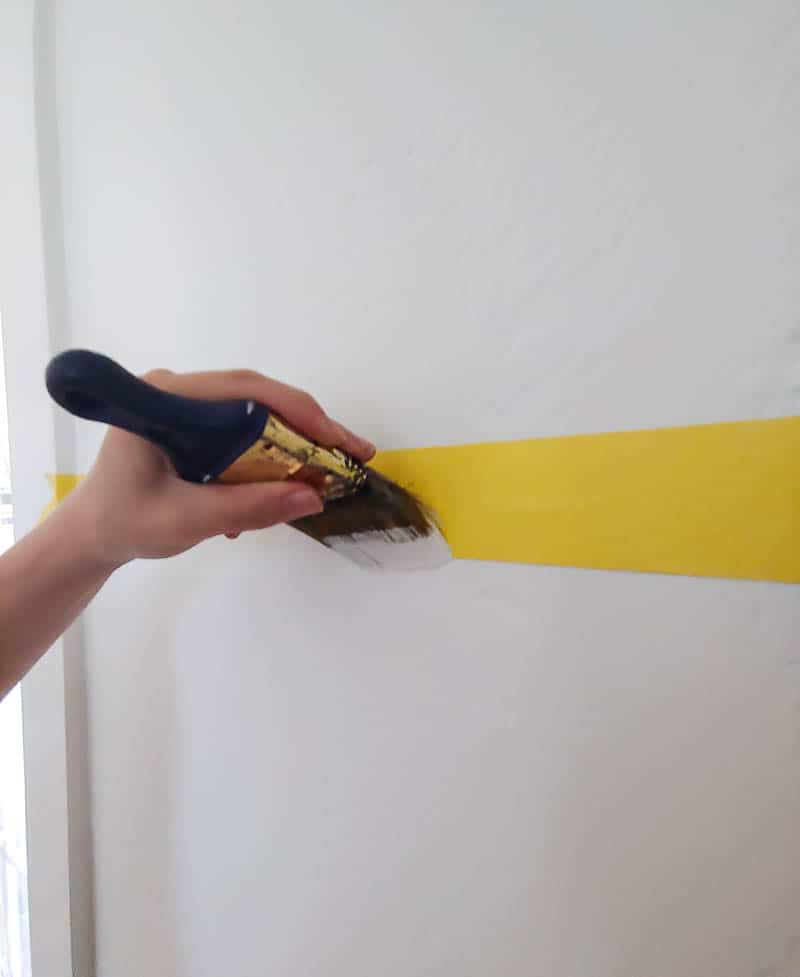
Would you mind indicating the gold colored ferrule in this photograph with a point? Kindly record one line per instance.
(282, 453)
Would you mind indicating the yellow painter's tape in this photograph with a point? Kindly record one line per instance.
(714, 500)
(61, 486)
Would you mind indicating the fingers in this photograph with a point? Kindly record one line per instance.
(352, 443)
(213, 510)
(297, 407)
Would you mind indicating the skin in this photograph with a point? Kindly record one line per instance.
(133, 506)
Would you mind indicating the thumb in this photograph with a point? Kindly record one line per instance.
(220, 509)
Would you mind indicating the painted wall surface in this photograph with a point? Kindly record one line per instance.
(451, 223)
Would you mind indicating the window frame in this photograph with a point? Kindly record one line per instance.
(55, 861)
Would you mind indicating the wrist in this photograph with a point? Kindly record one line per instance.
(85, 533)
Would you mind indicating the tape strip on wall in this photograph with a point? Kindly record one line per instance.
(713, 500)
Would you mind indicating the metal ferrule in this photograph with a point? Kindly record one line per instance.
(282, 453)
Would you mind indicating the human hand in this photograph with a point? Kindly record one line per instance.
(132, 504)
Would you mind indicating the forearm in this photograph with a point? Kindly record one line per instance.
(46, 580)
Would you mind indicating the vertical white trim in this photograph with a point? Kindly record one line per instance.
(23, 300)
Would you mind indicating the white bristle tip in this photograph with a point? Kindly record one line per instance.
(393, 550)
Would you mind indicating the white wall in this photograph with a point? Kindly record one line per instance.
(452, 223)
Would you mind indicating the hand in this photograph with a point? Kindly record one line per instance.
(132, 504)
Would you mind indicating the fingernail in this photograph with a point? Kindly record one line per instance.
(344, 436)
(303, 502)
(364, 447)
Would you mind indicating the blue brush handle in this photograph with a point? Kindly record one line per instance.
(201, 437)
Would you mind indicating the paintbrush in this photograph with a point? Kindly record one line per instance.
(366, 517)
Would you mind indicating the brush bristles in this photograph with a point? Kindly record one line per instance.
(381, 507)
